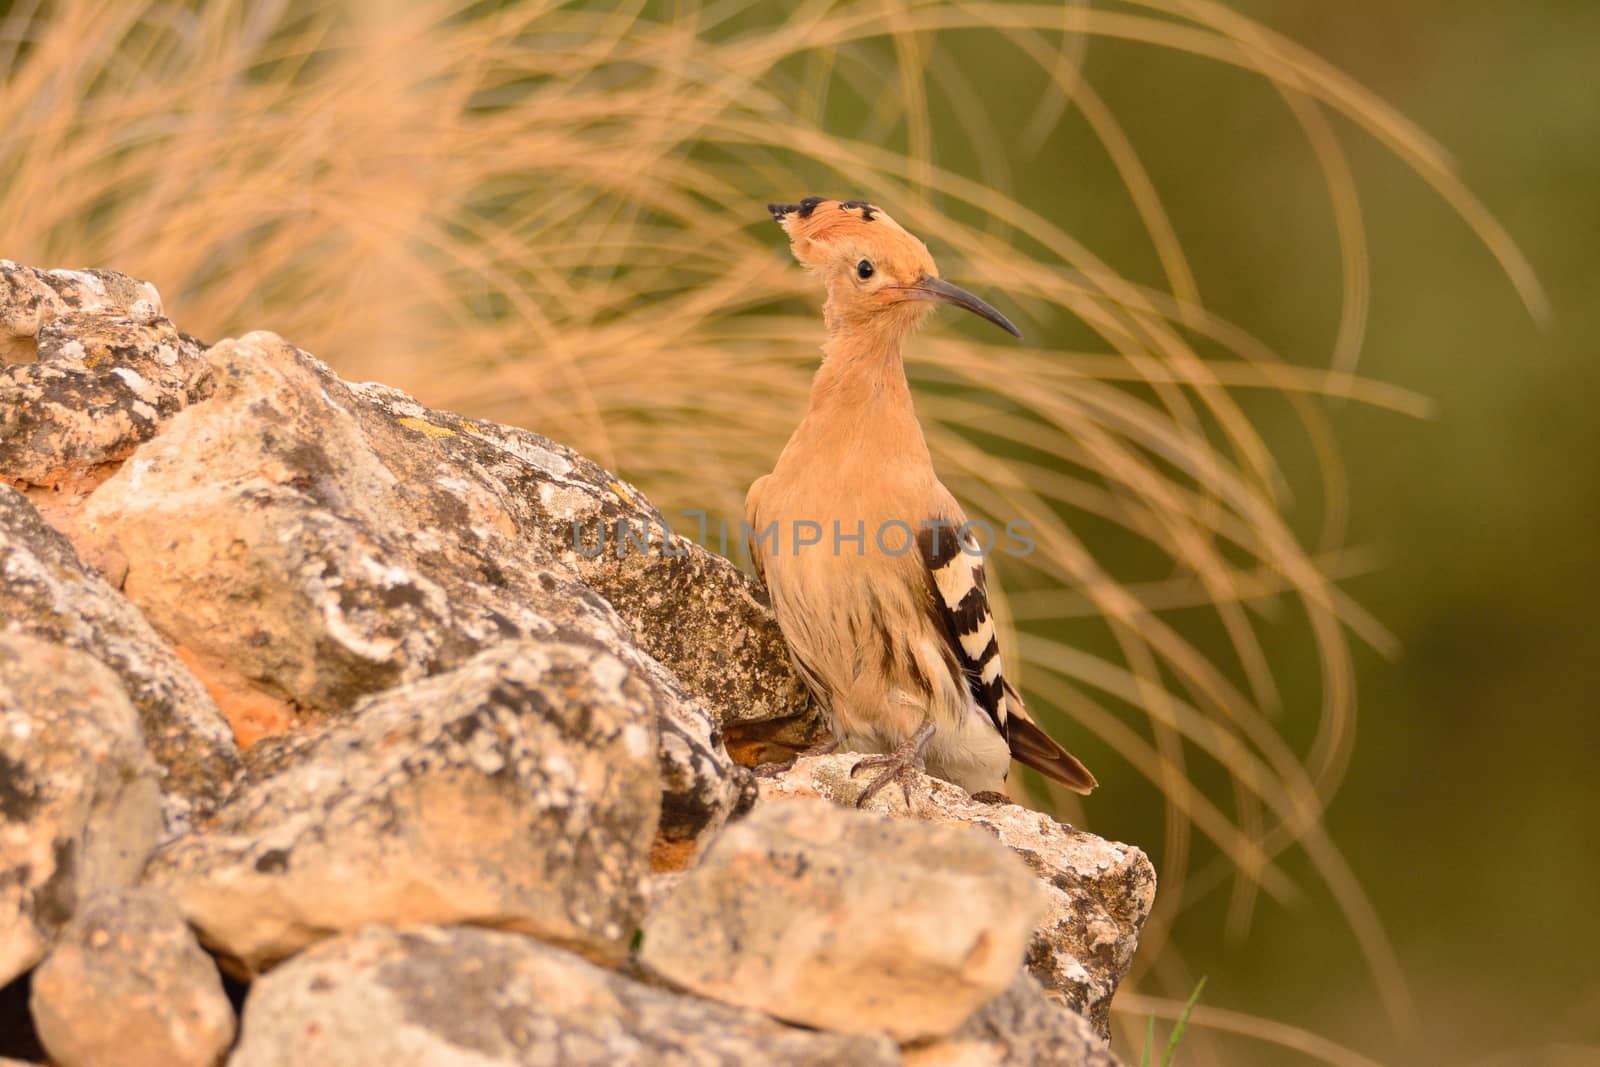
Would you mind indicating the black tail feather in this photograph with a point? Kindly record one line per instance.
(1034, 748)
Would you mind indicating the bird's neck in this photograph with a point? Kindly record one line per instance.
(861, 406)
(861, 372)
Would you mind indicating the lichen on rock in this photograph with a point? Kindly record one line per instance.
(91, 369)
(421, 996)
(847, 920)
(519, 790)
(1098, 893)
(370, 556)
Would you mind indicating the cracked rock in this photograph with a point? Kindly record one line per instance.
(367, 550)
(80, 810)
(690, 608)
(48, 593)
(89, 370)
(1099, 892)
(519, 790)
(847, 920)
(428, 996)
(1020, 1028)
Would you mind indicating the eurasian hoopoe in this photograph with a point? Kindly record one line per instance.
(888, 618)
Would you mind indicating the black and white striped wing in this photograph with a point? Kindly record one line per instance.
(959, 595)
(959, 592)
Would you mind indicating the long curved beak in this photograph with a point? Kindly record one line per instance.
(931, 288)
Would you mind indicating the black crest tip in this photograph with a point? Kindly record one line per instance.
(803, 209)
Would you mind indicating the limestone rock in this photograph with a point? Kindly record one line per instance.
(79, 806)
(432, 996)
(847, 921)
(30, 299)
(1020, 1028)
(690, 608)
(127, 984)
(89, 369)
(47, 592)
(519, 790)
(1100, 892)
(371, 551)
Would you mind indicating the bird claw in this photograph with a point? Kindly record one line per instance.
(775, 768)
(904, 763)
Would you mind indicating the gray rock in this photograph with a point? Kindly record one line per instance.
(127, 984)
(80, 810)
(47, 592)
(371, 550)
(847, 921)
(89, 370)
(690, 608)
(519, 790)
(1100, 892)
(1020, 1028)
(441, 997)
(30, 299)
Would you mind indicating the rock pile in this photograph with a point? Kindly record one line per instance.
(306, 685)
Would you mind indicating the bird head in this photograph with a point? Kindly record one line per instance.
(879, 277)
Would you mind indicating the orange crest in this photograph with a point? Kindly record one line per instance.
(821, 230)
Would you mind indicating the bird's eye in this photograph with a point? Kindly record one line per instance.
(864, 269)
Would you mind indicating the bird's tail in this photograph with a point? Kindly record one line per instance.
(1034, 748)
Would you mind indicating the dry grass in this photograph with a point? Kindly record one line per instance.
(551, 215)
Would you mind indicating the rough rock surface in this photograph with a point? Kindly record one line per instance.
(127, 984)
(519, 790)
(79, 806)
(1020, 1028)
(847, 921)
(691, 609)
(90, 369)
(1100, 892)
(431, 996)
(47, 592)
(370, 554)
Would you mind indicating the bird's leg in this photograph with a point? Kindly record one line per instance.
(904, 762)
(772, 770)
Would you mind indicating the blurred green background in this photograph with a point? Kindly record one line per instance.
(522, 249)
(1471, 812)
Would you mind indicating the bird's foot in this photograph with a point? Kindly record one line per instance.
(904, 764)
(772, 770)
